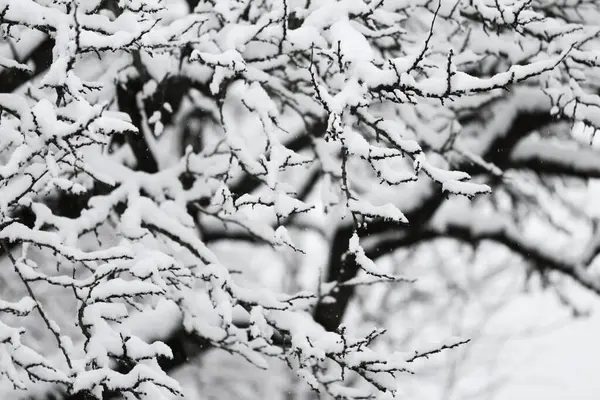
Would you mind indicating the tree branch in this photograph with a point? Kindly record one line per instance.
(555, 157)
(514, 125)
(40, 56)
(496, 228)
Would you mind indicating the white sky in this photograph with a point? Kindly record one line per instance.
(561, 364)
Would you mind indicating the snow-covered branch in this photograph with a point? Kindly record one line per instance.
(173, 123)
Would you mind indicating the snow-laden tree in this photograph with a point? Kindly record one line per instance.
(146, 144)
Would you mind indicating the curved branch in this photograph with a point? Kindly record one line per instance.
(40, 56)
(514, 120)
(547, 258)
(341, 269)
(464, 225)
(555, 157)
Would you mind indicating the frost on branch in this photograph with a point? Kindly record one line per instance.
(387, 106)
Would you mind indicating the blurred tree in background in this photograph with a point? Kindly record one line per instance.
(195, 191)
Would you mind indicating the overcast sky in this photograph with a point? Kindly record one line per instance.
(560, 364)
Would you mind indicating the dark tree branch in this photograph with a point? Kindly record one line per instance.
(532, 252)
(500, 150)
(41, 56)
(553, 157)
(342, 268)
(127, 100)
